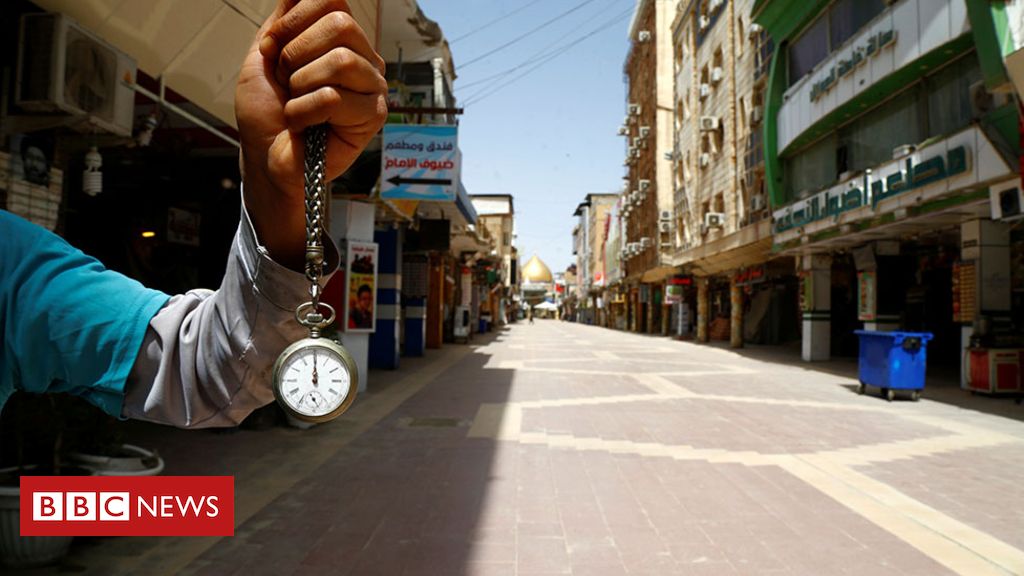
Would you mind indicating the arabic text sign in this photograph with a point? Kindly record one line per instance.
(419, 162)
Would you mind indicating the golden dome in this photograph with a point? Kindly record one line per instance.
(537, 272)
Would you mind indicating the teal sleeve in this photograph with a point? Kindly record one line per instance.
(67, 324)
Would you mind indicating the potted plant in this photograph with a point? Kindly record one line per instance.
(97, 444)
(37, 426)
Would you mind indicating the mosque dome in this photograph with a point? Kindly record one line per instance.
(537, 272)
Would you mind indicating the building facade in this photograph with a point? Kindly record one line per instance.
(891, 131)
(589, 242)
(647, 199)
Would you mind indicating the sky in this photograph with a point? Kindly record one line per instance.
(548, 138)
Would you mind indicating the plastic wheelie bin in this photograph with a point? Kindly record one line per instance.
(893, 362)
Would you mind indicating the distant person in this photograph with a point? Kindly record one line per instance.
(529, 314)
(360, 317)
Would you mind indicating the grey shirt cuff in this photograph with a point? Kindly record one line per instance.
(207, 356)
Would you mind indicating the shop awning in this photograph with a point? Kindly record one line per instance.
(747, 247)
(195, 46)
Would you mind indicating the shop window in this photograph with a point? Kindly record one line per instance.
(870, 139)
(812, 169)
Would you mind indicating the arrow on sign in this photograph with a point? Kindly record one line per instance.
(398, 181)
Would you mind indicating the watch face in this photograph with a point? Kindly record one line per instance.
(314, 381)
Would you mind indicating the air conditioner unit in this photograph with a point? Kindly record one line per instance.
(708, 123)
(644, 185)
(645, 131)
(666, 216)
(704, 22)
(671, 156)
(757, 202)
(623, 130)
(714, 219)
(705, 159)
(904, 150)
(983, 101)
(643, 36)
(754, 29)
(63, 68)
(705, 91)
(665, 227)
(645, 242)
(634, 109)
(636, 152)
(756, 113)
(1007, 201)
(715, 5)
(717, 74)
(636, 142)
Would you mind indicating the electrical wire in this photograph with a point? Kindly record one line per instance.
(480, 95)
(545, 51)
(495, 21)
(526, 34)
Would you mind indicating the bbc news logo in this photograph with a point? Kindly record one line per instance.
(127, 506)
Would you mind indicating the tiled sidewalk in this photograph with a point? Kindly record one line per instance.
(556, 448)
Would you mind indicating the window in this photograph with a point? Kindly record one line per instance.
(740, 40)
(949, 96)
(847, 17)
(506, 239)
(720, 203)
(809, 49)
(828, 33)
(812, 169)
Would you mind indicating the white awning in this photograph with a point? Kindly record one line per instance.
(196, 46)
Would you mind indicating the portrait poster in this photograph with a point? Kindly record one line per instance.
(361, 296)
(866, 300)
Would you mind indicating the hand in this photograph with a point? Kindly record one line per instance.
(310, 63)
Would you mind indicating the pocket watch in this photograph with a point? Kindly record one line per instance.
(315, 379)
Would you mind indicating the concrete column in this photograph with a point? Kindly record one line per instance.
(385, 346)
(817, 313)
(736, 314)
(353, 221)
(415, 326)
(986, 244)
(703, 307)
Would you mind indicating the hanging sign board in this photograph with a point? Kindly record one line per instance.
(420, 162)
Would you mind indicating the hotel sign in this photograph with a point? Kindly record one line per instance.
(869, 191)
(845, 66)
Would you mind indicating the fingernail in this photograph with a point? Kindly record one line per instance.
(267, 45)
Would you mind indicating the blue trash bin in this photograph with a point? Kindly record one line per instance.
(893, 361)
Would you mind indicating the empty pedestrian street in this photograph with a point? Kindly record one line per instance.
(560, 448)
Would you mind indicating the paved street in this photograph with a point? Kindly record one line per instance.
(557, 448)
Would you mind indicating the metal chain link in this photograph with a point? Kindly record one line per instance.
(316, 206)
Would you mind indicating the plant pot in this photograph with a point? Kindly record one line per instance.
(124, 460)
(17, 551)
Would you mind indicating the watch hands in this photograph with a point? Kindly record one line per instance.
(314, 368)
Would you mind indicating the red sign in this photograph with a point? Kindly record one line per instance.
(127, 506)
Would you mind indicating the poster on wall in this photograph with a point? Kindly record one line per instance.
(361, 299)
(866, 296)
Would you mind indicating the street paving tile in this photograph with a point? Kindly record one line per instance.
(556, 448)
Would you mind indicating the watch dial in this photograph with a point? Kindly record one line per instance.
(314, 381)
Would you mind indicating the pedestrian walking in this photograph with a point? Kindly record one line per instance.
(203, 358)
(529, 314)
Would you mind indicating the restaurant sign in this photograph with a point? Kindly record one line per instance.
(869, 191)
(845, 66)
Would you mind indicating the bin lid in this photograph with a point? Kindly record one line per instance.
(899, 336)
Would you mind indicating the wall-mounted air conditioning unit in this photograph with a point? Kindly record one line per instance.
(666, 216)
(756, 113)
(635, 152)
(716, 5)
(665, 226)
(705, 159)
(754, 29)
(644, 185)
(623, 130)
(757, 202)
(645, 131)
(64, 69)
(708, 123)
(714, 219)
(645, 242)
(1007, 201)
(643, 36)
(705, 91)
(717, 74)
(634, 109)
(703, 22)
(904, 150)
